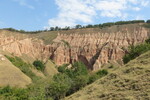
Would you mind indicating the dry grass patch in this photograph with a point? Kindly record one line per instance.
(130, 82)
(11, 75)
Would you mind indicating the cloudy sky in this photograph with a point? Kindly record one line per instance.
(40, 14)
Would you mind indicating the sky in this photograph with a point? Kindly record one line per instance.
(33, 15)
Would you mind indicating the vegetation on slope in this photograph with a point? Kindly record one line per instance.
(11, 75)
(8, 93)
(23, 66)
(129, 82)
(60, 85)
(70, 80)
(135, 51)
(39, 65)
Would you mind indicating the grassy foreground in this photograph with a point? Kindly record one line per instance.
(130, 82)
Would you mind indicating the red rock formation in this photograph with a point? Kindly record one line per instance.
(88, 47)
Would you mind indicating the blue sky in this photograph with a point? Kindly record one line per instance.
(40, 14)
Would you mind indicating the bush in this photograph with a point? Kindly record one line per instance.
(58, 87)
(93, 78)
(56, 90)
(39, 65)
(147, 41)
(102, 73)
(14, 93)
(81, 81)
(135, 51)
(71, 80)
(79, 69)
(62, 68)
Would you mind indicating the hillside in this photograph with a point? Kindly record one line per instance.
(11, 75)
(19, 73)
(129, 82)
(56, 64)
(92, 46)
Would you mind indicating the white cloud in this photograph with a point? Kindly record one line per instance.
(136, 8)
(72, 12)
(24, 3)
(145, 3)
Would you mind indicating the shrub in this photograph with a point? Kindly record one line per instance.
(79, 69)
(92, 78)
(56, 90)
(62, 69)
(58, 87)
(14, 93)
(102, 73)
(135, 51)
(81, 81)
(71, 80)
(39, 65)
(147, 41)
(62, 78)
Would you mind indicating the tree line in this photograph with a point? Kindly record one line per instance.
(108, 24)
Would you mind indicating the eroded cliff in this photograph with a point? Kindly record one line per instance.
(94, 47)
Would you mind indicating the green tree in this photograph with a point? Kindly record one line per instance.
(52, 28)
(39, 65)
(58, 87)
(80, 81)
(78, 26)
(148, 21)
(79, 69)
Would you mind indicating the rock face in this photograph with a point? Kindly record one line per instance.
(98, 48)
(27, 46)
(94, 48)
